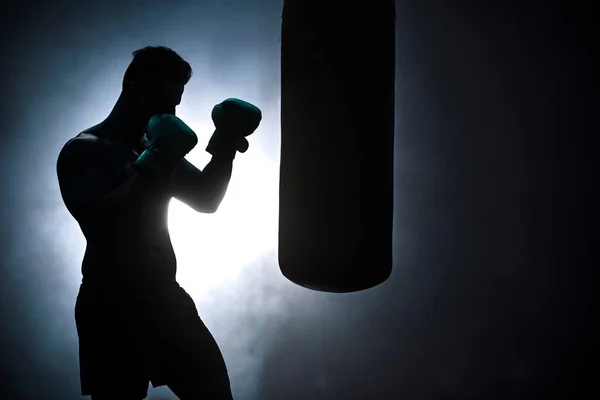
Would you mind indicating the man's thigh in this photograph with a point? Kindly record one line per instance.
(116, 393)
(187, 357)
(112, 356)
(116, 383)
(209, 388)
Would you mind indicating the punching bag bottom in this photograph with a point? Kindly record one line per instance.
(334, 276)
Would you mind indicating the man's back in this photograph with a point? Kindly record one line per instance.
(126, 241)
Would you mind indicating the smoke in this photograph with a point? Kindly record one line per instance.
(489, 289)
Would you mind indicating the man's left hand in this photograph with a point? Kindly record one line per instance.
(234, 119)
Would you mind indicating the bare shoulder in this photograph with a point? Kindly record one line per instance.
(83, 141)
(83, 149)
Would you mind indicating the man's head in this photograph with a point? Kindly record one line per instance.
(155, 79)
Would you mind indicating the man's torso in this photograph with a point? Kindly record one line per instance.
(131, 245)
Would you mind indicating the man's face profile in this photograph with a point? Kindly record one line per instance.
(166, 97)
(160, 97)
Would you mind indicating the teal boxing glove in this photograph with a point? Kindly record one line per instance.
(170, 140)
(234, 120)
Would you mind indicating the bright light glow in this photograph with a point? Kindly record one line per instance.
(212, 249)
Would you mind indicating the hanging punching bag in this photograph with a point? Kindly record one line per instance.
(337, 140)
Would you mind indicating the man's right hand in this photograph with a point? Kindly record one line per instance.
(170, 140)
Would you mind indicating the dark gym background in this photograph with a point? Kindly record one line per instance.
(491, 293)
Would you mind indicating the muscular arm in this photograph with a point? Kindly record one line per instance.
(87, 188)
(202, 190)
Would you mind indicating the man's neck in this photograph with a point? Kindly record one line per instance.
(126, 122)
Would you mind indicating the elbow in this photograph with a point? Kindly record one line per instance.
(203, 208)
(212, 207)
(206, 207)
(212, 204)
(202, 201)
(208, 210)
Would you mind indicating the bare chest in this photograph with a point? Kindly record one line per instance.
(120, 168)
(119, 165)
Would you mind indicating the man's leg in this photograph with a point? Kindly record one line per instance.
(115, 377)
(117, 395)
(121, 386)
(213, 388)
(189, 360)
(112, 356)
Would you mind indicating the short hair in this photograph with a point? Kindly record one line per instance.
(157, 63)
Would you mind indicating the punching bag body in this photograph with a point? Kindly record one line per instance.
(337, 140)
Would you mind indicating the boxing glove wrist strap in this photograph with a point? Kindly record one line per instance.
(221, 146)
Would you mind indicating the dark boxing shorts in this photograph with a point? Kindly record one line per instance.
(128, 340)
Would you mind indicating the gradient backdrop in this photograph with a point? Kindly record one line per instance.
(491, 292)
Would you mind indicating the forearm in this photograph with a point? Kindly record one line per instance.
(202, 190)
(216, 177)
